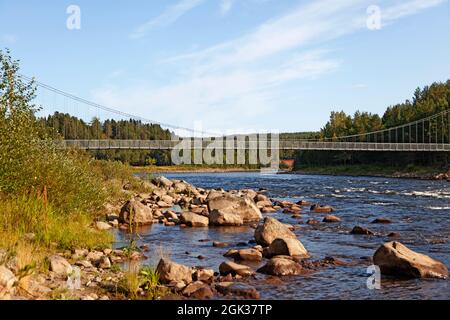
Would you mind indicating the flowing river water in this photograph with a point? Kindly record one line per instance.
(420, 211)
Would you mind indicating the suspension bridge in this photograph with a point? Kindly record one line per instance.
(430, 134)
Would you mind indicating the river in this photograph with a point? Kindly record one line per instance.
(420, 211)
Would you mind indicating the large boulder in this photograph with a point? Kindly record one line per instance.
(170, 271)
(244, 206)
(287, 247)
(396, 259)
(270, 230)
(194, 220)
(136, 212)
(59, 265)
(220, 218)
(281, 266)
(229, 267)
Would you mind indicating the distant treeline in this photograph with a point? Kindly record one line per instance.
(425, 102)
(70, 127)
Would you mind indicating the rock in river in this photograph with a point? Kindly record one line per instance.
(220, 218)
(362, 230)
(382, 221)
(229, 267)
(281, 266)
(249, 254)
(173, 272)
(136, 212)
(228, 203)
(270, 230)
(331, 219)
(287, 247)
(194, 220)
(237, 289)
(396, 259)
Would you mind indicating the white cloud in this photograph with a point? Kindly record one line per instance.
(408, 8)
(169, 16)
(239, 83)
(225, 6)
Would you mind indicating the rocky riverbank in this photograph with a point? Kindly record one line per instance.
(109, 274)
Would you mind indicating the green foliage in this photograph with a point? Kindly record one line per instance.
(44, 190)
(149, 281)
(72, 128)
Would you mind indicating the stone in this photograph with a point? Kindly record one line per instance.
(229, 267)
(244, 206)
(162, 182)
(312, 222)
(163, 204)
(59, 265)
(167, 199)
(169, 214)
(394, 235)
(268, 210)
(381, 221)
(84, 264)
(396, 259)
(94, 256)
(7, 278)
(287, 247)
(331, 219)
(102, 226)
(220, 218)
(248, 255)
(281, 266)
(104, 263)
(198, 290)
(237, 289)
(270, 230)
(136, 212)
(203, 274)
(194, 220)
(218, 244)
(321, 209)
(264, 203)
(170, 271)
(362, 231)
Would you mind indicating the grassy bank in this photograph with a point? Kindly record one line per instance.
(371, 170)
(49, 197)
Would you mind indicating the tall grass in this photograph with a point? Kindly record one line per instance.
(44, 190)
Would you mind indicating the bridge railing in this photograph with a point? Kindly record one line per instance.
(251, 145)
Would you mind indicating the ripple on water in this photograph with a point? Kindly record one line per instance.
(419, 211)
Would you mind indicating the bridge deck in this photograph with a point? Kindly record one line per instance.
(253, 145)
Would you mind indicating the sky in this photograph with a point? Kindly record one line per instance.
(233, 65)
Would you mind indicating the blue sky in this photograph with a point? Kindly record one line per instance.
(239, 65)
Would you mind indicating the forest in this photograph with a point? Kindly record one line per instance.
(425, 102)
(70, 128)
